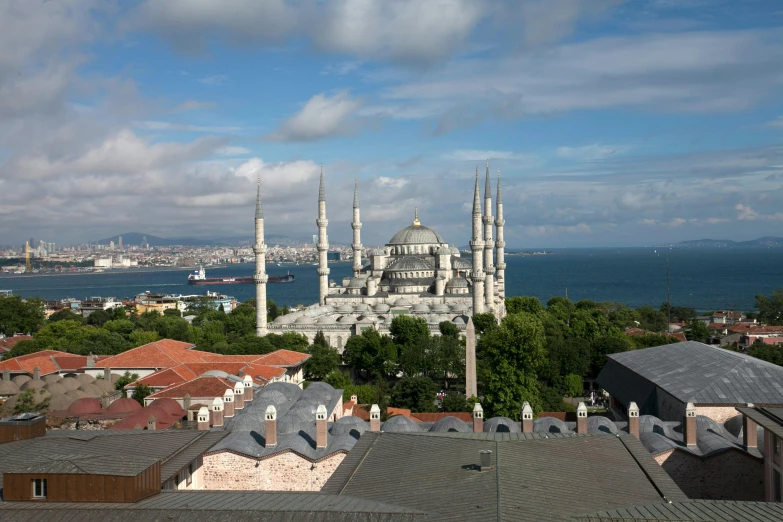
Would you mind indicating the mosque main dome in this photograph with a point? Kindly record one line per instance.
(416, 235)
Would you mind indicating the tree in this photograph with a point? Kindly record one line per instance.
(338, 380)
(561, 309)
(140, 393)
(484, 322)
(98, 318)
(603, 346)
(125, 380)
(19, 316)
(652, 320)
(552, 400)
(103, 342)
(448, 329)
(123, 327)
(371, 353)
(649, 340)
(697, 331)
(414, 393)
(679, 314)
(32, 400)
(531, 305)
(288, 341)
(446, 356)
(172, 312)
(66, 314)
(455, 401)
(574, 386)
(411, 335)
(142, 337)
(513, 354)
(623, 318)
(323, 359)
(766, 352)
(67, 336)
(770, 308)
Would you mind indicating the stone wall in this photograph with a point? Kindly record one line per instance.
(719, 414)
(728, 475)
(282, 472)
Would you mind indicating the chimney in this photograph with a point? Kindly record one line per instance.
(375, 419)
(151, 423)
(749, 431)
(633, 419)
(36, 373)
(107, 374)
(228, 403)
(186, 403)
(271, 426)
(527, 418)
(248, 382)
(689, 426)
(6, 375)
(478, 418)
(239, 396)
(320, 427)
(485, 460)
(203, 419)
(355, 398)
(217, 412)
(90, 361)
(105, 401)
(581, 418)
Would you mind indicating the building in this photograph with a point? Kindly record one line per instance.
(662, 380)
(770, 420)
(416, 273)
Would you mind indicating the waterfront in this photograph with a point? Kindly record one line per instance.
(701, 278)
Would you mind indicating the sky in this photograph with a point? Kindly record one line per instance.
(611, 122)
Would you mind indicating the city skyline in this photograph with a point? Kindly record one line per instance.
(613, 123)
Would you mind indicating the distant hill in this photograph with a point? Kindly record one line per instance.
(136, 238)
(766, 241)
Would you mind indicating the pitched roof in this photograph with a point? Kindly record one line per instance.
(115, 465)
(7, 343)
(205, 386)
(693, 372)
(27, 363)
(282, 358)
(690, 511)
(432, 472)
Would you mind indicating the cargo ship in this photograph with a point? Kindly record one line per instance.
(200, 278)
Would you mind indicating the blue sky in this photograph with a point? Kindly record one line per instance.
(614, 123)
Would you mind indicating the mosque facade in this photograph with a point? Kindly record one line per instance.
(416, 273)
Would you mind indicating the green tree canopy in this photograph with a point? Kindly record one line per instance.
(770, 307)
(605, 345)
(323, 359)
(414, 393)
(484, 322)
(531, 305)
(697, 331)
(20, 316)
(456, 401)
(652, 320)
(66, 314)
(371, 353)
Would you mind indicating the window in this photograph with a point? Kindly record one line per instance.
(189, 474)
(775, 445)
(176, 481)
(39, 488)
(777, 493)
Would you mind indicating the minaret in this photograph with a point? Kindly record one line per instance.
(500, 244)
(323, 243)
(260, 276)
(489, 266)
(477, 246)
(357, 227)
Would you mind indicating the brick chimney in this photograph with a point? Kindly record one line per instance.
(270, 417)
(105, 400)
(689, 425)
(203, 419)
(581, 418)
(375, 418)
(527, 418)
(248, 382)
(107, 374)
(6, 375)
(186, 403)
(749, 431)
(217, 412)
(355, 398)
(151, 423)
(228, 403)
(633, 419)
(478, 418)
(320, 427)
(239, 396)
(36, 373)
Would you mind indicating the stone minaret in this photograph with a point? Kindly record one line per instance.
(489, 266)
(477, 246)
(357, 227)
(500, 245)
(260, 276)
(323, 243)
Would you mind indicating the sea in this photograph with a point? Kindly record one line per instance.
(703, 278)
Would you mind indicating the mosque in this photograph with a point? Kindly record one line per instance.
(416, 273)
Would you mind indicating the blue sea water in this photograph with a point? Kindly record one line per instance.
(705, 279)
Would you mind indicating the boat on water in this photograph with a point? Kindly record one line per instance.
(200, 278)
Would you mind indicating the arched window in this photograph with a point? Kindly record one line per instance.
(339, 342)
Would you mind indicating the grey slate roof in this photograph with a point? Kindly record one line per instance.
(118, 465)
(437, 472)
(693, 372)
(212, 506)
(169, 446)
(295, 423)
(690, 511)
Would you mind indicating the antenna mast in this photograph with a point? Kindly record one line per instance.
(28, 266)
(668, 297)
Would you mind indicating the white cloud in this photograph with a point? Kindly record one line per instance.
(482, 155)
(746, 213)
(321, 117)
(592, 152)
(232, 151)
(387, 182)
(185, 127)
(214, 80)
(195, 105)
(777, 123)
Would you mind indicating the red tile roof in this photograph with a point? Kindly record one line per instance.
(717, 326)
(265, 373)
(8, 343)
(70, 363)
(282, 358)
(204, 387)
(27, 363)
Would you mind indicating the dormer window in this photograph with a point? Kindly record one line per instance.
(39, 488)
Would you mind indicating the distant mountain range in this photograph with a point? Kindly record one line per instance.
(766, 241)
(136, 239)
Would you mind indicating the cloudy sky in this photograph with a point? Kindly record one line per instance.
(613, 123)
